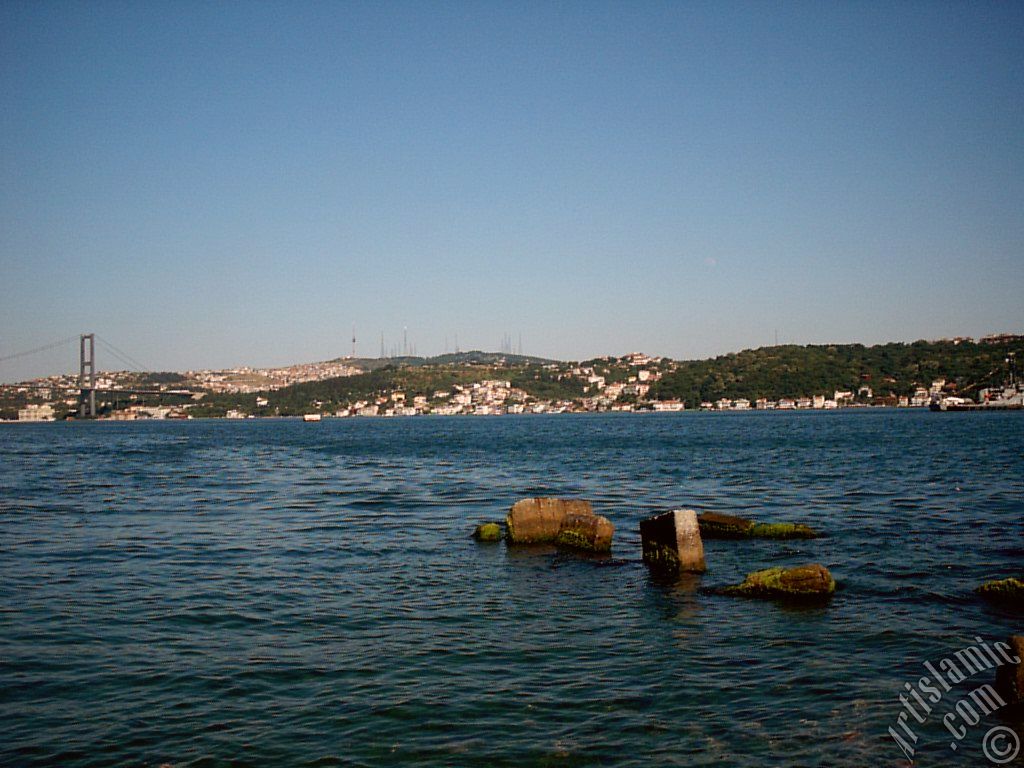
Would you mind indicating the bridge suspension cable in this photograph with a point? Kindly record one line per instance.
(124, 357)
(37, 350)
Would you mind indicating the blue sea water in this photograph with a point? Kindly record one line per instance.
(277, 593)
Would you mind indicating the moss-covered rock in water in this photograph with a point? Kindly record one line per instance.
(782, 531)
(590, 533)
(805, 582)
(539, 521)
(487, 532)
(569, 523)
(715, 525)
(1008, 592)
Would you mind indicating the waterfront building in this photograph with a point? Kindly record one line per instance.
(669, 405)
(34, 412)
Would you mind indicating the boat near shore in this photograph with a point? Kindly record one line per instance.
(311, 417)
(1014, 402)
(1009, 397)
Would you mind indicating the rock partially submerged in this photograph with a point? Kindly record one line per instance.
(782, 531)
(566, 522)
(1010, 677)
(1008, 592)
(592, 533)
(538, 521)
(488, 532)
(671, 542)
(715, 525)
(810, 582)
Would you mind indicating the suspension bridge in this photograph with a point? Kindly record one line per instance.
(86, 386)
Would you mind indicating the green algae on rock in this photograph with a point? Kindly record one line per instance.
(1008, 592)
(671, 542)
(715, 525)
(539, 521)
(488, 532)
(782, 531)
(591, 533)
(804, 582)
(569, 523)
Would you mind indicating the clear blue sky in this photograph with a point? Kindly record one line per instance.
(213, 184)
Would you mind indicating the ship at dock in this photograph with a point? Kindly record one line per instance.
(1008, 397)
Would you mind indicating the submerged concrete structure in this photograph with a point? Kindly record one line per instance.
(671, 542)
(565, 522)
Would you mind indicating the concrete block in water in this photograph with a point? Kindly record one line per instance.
(591, 533)
(539, 521)
(671, 542)
(565, 522)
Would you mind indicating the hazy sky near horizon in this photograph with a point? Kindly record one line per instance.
(214, 184)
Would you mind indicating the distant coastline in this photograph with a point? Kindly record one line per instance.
(784, 378)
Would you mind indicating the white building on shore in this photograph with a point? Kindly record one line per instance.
(33, 412)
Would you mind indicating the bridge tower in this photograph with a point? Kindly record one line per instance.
(87, 376)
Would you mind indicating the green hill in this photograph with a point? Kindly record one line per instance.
(888, 370)
(795, 371)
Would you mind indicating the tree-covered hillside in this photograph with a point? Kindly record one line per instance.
(887, 370)
(795, 371)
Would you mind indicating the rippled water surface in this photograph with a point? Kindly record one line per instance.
(281, 593)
